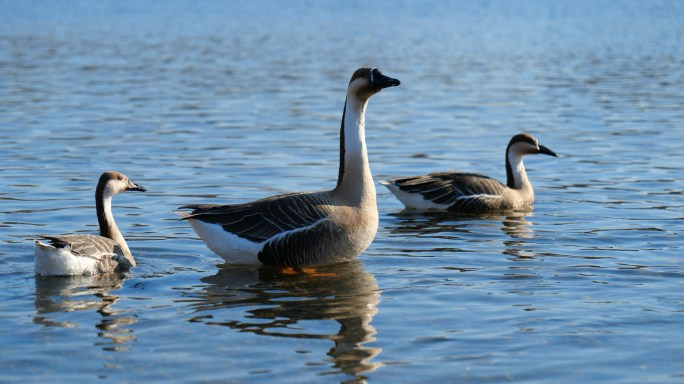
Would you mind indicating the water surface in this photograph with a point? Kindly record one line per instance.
(204, 103)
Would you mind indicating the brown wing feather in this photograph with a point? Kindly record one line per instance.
(458, 190)
(262, 219)
(297, 249)
(107, 251)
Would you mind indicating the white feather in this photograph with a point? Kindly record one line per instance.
(233, 248)
(413, 200)
(51, 261)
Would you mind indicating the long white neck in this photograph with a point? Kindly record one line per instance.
(516, 174)
(355, 182)
(107, 224)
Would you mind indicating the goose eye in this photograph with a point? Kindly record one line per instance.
(119, 178)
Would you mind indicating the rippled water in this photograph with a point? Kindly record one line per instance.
(205, 102)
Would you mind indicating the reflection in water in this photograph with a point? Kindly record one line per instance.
(514, 223)
(56, 295)
(344, 293)
(459, 226)
(517, 227)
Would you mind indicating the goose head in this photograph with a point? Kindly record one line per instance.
(112, 183)
(365, 82)
(525, 144)
(520, 145)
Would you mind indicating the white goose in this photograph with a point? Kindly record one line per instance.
(90, 254)
(309, 228)
(470, 192)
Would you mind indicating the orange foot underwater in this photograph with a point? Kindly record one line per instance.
(309, 271)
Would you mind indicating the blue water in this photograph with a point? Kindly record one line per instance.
(206, 102)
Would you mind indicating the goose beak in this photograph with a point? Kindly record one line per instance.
(135, 187)
(381, 81)
(546, 151)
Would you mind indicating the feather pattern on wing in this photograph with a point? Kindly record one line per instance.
(295, 248)
(460, 191)
(263, 219)
(107, 253)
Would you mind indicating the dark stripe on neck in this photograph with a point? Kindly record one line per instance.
(340, 175)
(510, 180)
(105, 230)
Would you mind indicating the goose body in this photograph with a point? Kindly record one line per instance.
(307, 228)
(471, 192)
(90, 254)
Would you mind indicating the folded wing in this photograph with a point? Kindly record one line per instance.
(107, 253)
(460, 191)
(264, 219)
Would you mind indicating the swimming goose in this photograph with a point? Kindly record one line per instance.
(90, 254)
(309, 228)
(469, 192)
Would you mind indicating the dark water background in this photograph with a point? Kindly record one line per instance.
(226, 102)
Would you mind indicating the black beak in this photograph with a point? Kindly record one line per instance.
(544, 150)
(135, 187)
(381, 81)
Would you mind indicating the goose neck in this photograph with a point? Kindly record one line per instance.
(516, 176)
(108, 227)
(355, 181)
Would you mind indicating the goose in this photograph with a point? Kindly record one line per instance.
(70, 255)
(470, 192)
(305, 229)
